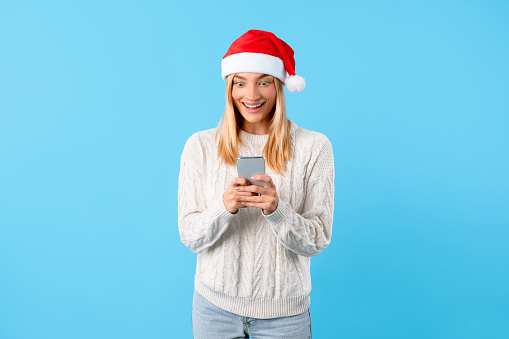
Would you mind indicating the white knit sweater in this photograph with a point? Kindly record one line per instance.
(249, 263)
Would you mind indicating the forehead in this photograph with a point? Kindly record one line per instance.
(251, 76)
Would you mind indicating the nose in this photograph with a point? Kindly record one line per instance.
(252, 93)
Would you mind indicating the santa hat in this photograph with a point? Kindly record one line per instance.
(262, 52)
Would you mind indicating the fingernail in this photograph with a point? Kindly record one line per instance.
(252, 178)
(237, 188)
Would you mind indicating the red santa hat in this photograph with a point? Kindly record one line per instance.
(262, 52)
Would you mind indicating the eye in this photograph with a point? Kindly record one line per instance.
(239, 84)
(264, 83)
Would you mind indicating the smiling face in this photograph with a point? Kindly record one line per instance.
(254, 95)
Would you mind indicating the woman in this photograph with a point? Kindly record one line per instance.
(254, 243)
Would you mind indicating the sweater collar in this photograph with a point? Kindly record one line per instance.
(261, 139)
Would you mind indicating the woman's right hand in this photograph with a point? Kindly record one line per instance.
(230, 201)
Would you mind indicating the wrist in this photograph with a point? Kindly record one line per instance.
(268, 212)
(231, 210)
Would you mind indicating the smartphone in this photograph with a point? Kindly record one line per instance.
(249, 166)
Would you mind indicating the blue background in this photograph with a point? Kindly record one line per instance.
(97, 99)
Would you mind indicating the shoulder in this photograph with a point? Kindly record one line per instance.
(314, 150)
(202, 136)
(199, 144)
(316, 141)
(201, 139)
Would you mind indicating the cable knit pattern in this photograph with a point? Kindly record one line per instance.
(249, 263)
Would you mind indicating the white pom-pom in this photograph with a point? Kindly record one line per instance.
(295, 83)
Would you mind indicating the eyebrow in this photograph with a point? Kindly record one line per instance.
(261, 76)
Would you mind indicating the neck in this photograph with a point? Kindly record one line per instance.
(256, 128)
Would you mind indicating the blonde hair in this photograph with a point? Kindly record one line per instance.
(277, 150)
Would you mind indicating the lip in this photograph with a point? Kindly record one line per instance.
(252, 110)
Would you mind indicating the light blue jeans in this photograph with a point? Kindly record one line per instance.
(212, 322)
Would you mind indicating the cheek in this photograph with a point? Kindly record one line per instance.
(236, 99)
(271, 105)
(236, 94)
(270, 93)
(271, 97)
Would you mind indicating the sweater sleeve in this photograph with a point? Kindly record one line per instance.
(200, 226)
(308, 233)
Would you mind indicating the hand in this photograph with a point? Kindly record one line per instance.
(230, 201)
(267, 199)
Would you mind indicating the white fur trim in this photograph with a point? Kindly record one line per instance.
(295, 83)
(253, 63)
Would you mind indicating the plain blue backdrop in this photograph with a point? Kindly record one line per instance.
(97, 99)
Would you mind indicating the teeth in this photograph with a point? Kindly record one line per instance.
(252, 106)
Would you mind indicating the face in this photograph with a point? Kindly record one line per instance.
(254, 95)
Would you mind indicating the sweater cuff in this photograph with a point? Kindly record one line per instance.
(221, 214)
(280, 214)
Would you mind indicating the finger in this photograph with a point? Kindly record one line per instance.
(252, 199)
(257, 190)
(244, 194)
(264, 178)
(239, 182)
(262, 205)
(249, 188)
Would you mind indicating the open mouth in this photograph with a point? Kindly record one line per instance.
(253, 106)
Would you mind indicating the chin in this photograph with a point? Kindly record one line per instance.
(254, 120)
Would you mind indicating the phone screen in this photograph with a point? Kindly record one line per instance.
(249, 166)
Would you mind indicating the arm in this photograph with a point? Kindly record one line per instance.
(200, 226)
(308, 233)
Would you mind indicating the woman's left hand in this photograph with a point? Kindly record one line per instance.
(267, 200)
